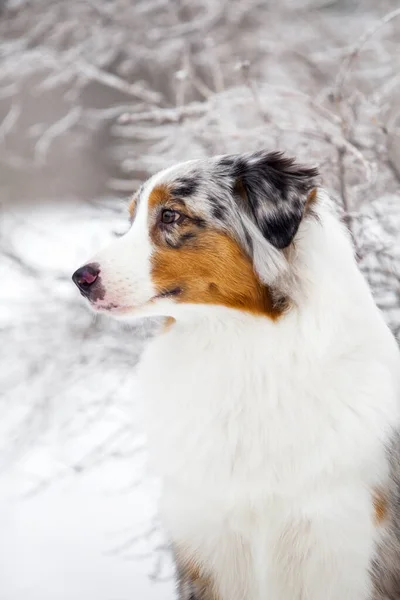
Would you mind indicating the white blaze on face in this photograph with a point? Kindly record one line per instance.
(125, 267)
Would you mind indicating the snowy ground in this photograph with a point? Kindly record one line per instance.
(77, 506)
(84, 118)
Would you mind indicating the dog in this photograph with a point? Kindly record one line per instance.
(272, 391)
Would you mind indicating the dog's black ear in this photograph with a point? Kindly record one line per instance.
(276, 189)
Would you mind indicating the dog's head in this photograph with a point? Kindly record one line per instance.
(205, 232)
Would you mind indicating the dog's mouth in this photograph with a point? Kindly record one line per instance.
(113, 307)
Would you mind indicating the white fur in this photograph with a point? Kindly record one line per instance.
(271, 436)
(125, 269)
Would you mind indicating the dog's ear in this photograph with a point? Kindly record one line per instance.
(274, 190)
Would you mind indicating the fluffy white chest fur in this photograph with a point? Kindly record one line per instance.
(271, 437)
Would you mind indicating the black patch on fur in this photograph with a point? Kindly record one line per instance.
(183, 239)
(186, 237)
(186, 186)
(248, 239)
(219, 211)
(281, 229)
(240, 167)
(276, 188)
(227, 161)
(199, 222)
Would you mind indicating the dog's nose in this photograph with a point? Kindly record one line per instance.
(85, 277)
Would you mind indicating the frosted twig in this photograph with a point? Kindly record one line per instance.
(58, 128)
(215, 66)
(19, 262)
(199, 84)
(343, 193)
(9, 90)
(181, 87)
(244, 68)
(328, 114)
(9, 120)
(113, 112)
(117, 83)
(348, 61)
(167, 115)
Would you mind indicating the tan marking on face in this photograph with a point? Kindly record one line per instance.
(381, 506)
(311, 200)
(161, 197)
(158, 195)
(212, 270)
(132, 206)
(193, 583)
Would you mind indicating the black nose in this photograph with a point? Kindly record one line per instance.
(85, 277)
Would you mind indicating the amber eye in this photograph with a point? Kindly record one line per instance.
(169, 216)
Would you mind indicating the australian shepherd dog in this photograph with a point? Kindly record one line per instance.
(272, 391)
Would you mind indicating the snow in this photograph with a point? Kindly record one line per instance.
(60, 544)
(77, 505)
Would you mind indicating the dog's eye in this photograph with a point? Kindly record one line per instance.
(170, 216)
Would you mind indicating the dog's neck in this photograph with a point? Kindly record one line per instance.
(332, 296)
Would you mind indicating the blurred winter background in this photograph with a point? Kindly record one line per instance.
(95, 95)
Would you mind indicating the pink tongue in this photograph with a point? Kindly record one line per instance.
(88, 277)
